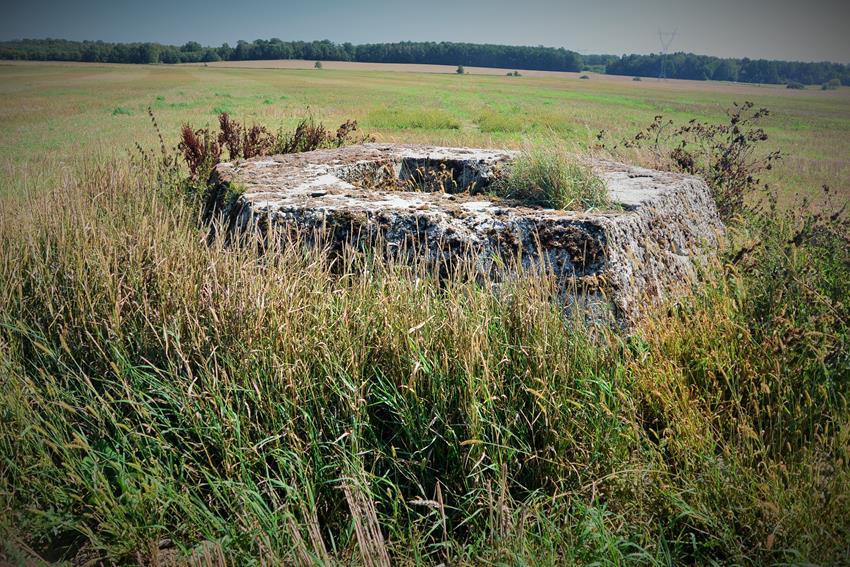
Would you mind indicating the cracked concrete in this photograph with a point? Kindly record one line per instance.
(647, 249)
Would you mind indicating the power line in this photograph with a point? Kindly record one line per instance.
(666, 39)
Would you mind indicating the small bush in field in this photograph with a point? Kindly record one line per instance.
(121, 111)
(831, 85)
(460, 70)
(317, 65)
(795, 85)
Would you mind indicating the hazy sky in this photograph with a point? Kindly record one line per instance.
(779, 29)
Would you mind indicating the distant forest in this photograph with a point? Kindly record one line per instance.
(675, 65)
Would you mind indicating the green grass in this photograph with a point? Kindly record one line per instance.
(403, 119)
(490, 121)
(395, 106)
(545, 175)
(165, 396)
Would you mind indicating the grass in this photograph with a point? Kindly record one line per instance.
(490, 121)
(166, 397)
(403, 119)
(545, 175)
(48, 108)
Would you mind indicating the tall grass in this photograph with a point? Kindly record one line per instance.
(544, 174)
(166, 398)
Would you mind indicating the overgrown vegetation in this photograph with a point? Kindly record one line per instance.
(202, 148)
(547, 176)
(163, 397)
(726, 155)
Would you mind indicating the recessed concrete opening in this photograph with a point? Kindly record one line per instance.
(424, 174)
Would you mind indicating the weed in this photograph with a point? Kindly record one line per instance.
(202, 149)
(727, 155)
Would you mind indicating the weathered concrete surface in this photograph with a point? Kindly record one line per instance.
(623, 258)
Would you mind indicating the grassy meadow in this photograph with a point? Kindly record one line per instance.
(55, 115)
(166, 399)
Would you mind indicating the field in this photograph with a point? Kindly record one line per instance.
(167, 399)
(55, 114)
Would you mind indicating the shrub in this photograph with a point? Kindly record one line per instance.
(726, 155)
(545, 175)
(460, 70)
(831, 85)
(317, 65)
(795, 85)
(585, 77)
(121, 111)
(636, 78)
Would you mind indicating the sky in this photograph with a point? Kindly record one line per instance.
(811, 30)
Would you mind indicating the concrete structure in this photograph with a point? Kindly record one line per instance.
(644, 250)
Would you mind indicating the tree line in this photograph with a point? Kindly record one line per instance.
(703, 67)
(675, 65)
(446, 53)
